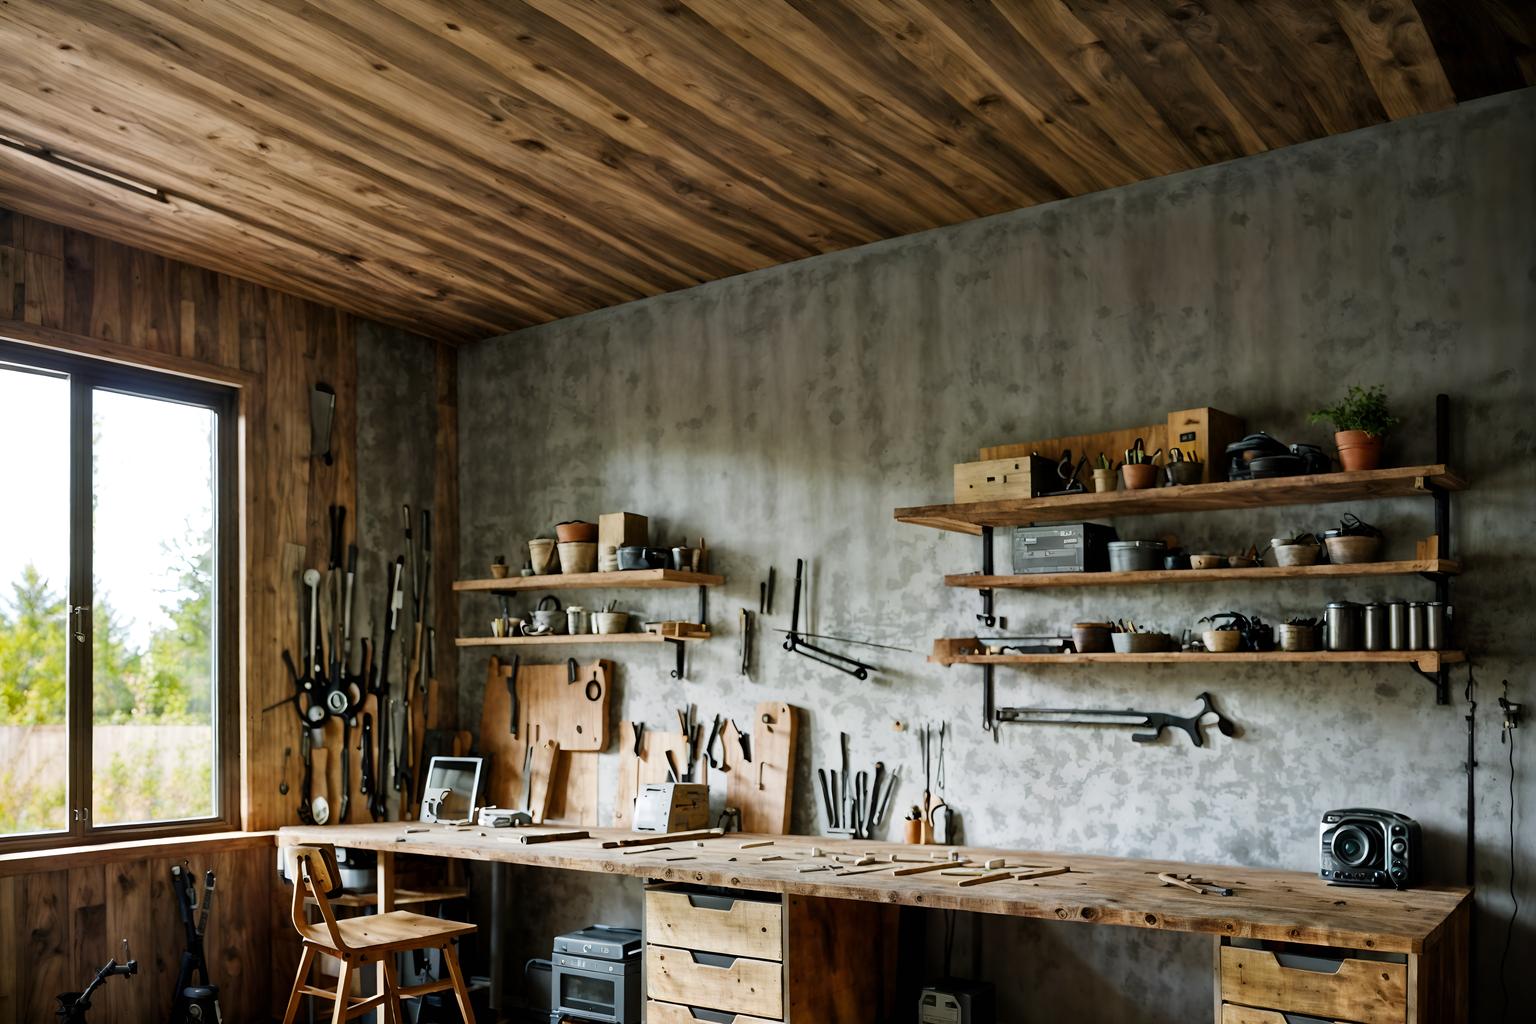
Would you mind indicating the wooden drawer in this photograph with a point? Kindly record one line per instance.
(735, 984)
(1364, 991)
(715, 923)
(672, 1013)
(1231, 1014)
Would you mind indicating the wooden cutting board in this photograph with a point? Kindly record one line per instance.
(763, 788)
(651, 766)
(550, 708)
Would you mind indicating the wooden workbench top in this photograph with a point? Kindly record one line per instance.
(1280, 905)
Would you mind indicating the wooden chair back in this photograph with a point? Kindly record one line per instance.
(315, 875)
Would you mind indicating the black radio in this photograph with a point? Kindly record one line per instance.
(1370, 847)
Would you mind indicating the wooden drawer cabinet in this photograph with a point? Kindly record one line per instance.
(712, 953)
(1248, 1015)
(741, 925)
(736, 984)
(1358, 991)
(672, 1013)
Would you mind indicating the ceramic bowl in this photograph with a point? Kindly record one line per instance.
(1207, 562)
(1353, 550)
(576, 532)
(1139, 643)
(1091, 637)
(1297, 554)
(610, 622)
(1220, 641)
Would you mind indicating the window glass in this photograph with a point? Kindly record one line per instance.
(153, 649)
(34, 601)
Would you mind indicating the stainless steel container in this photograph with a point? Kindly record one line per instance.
(1418, 617)
(1374, 618)
(1437, 625)
(1342, 626)
(1397, 626)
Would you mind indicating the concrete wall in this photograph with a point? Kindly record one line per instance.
(785, 413)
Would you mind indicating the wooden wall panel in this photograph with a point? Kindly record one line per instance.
(71, 290)
(68, 922)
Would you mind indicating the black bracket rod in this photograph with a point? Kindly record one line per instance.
(703, 605)
(986, 618)
(1440, 680)
(680, 672)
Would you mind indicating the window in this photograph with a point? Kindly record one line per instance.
(118, 709)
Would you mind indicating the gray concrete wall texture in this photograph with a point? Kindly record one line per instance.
(785, 413)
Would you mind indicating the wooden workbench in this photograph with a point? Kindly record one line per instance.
(1428, 925)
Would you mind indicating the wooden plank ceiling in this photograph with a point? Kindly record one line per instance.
(466, 167)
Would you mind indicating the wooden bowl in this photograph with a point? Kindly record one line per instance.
(1139, 643)
(1207, 561)
(1091, 637)
(1297, 554)
(1353, 550)
(1221, 641)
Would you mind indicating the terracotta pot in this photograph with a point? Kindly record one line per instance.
(576, 532)
(1139, 476)
(1357, 449)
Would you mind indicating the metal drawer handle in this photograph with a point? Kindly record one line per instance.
(710, 901)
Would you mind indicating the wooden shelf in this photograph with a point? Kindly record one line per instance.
(1428, 661)
(1398, 482)
(567, 639)
(633, 579)
(976, 581)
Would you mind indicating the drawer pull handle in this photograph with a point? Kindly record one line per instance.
(1310, 964)
(710, 901)
(714, 1016)
(712, 959)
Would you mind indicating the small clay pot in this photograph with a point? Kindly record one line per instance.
(1140, 476)
(1091, 637)
(1221, 641)
(578, 556)
(576, 532)
(1357, 449)
(498, 570)
(541, 555)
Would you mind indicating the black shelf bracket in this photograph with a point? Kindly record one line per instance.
(681, 649)
(989, 699)
(987, 617)
(703, 606)
(1440, 679)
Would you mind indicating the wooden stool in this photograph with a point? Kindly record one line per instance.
(360, 941)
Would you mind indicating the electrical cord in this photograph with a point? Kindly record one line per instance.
(1514, 912)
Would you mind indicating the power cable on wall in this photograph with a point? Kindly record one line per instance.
(1506, 735)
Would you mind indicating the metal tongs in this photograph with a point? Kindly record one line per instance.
(795, 645)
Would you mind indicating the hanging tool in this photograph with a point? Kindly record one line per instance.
(593, 691)
(796, 645)
(744, 624)
(512, 693)
(73, 1006)
(384, 765)
(193, 1002)
(365, 757)
(1156, 721)
(842, 812)
(307, 782)
(709, 746)
(639, 731)
(847, 640)
(826, 797)
(282, 785)
(885, 802)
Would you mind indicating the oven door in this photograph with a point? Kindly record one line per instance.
(593, 996)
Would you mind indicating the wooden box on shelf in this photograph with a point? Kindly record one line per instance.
(1205, 432)
(1023, 477)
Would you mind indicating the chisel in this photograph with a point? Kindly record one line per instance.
(826, 795)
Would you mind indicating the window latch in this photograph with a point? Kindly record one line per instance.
(79, 612)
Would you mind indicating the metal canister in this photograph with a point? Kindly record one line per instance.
(1342, 626)
(1418, 616)
(1375, 621)
(1397, 626)
(1437, 625)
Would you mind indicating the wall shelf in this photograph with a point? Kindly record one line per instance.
(1425, 661)
(565, 639)
(632, 579)
(977, 581)
(1396, 482)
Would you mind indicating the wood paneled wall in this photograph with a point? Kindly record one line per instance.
(77, 292)
(59, 926)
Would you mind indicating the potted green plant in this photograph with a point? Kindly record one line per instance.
(1360, 421)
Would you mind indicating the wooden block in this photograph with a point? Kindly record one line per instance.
(1023, 476)
(543, 772)
(763, 788)
(1207, 432)
(621, 529)
(1367, 991)
(945, 649)
(1427, 549)
(719, 924)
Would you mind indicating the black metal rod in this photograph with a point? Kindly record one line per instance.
(987, 617)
